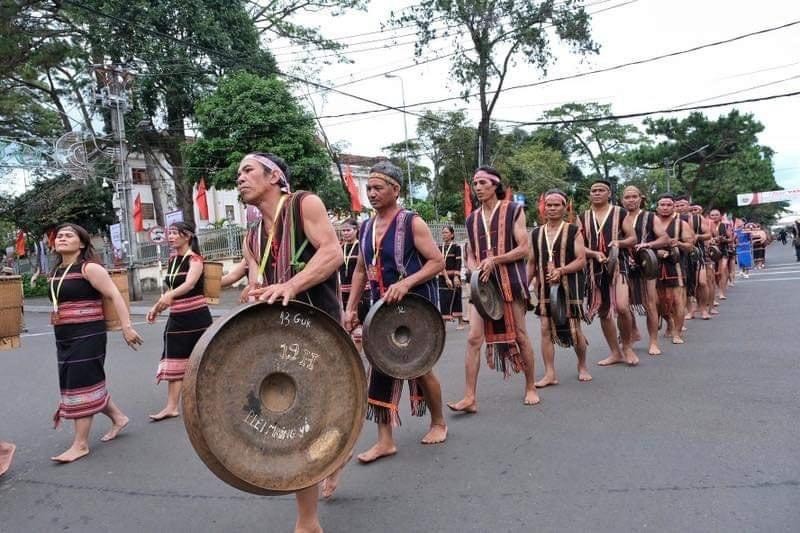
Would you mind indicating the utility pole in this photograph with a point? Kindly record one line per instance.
(114, 82)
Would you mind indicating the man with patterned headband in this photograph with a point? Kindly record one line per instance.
(643, 294)
(498, 246)
(672, 279)
(723, 238)
(604, 227)
(694, 261)
(398, 256)
(559, 259)
(704, 232)
(277, 272)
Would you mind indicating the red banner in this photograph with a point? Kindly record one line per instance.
(467, 199)
(138, 219)
(19, 245)
(200, 200)
(352, 190)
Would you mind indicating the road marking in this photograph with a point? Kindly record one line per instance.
(51, 333)
(762, 273)
(771, 279)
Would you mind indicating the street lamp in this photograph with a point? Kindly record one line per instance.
(682, 158)
(405, 131)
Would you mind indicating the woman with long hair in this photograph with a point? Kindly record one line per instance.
(188, 317)
(78, 285)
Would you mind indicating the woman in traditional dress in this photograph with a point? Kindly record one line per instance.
(188, 316)
(450, 279)
(77, 288)
(350, 253)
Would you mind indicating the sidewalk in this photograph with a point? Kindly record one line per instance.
(229, 298)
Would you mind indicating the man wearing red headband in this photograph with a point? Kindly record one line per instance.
(498, 247)
(558, 259)
(605, 227)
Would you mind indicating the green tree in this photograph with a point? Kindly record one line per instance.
(248, 113)
(420, 174)
(501, 33)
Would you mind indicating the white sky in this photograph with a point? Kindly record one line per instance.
(637, 30)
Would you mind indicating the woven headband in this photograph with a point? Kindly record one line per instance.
(381, 176)
(270, 164)
(485, 175)
(556, 195)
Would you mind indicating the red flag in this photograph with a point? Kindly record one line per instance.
(541, 209)
(138, 219)
(51, 238)
(352, 190)
(467, 199)
(200, 200)
(19, 245)
(509, 194)
(570, 212)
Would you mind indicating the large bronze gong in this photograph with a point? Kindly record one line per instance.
(648, 263)
(404, 339)
(486, 297)
(558, 304)
(612, 259)
(274, 397)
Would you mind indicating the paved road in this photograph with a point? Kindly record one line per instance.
(703, 438)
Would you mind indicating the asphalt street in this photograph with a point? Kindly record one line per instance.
(703, 438)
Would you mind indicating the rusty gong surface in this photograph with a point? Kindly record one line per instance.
(648, 263)
(404, 340)
(274, 397)
(558, 304)
(486, 297)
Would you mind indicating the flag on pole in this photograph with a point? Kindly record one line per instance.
(352, 190)
(570, 212)
(467, 199)
(138, 218)
(200, 199)
(541, 209)
(19, 245)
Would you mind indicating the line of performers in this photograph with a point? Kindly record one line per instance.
(293, 254)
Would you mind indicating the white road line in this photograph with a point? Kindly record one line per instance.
(51, 333)
(770, 279)
(776, 273)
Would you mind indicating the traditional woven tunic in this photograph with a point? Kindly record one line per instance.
(696, 262)
(491, 236)
(388, 261)
(597, 235)
(80, 331)
(672, 272)
(188, 318)
(643, 227)
(450, 297)
(563, 254)
(350, 252)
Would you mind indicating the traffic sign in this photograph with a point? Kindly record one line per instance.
(156, 235)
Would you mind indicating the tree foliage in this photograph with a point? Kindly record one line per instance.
(501, 34)
(248, 113)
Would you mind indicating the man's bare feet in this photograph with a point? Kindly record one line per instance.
(331, 483)
(714, 311)
(7, 450)
(677, 340)
(436, 434)
(72, 454)
(721, 297)
(308, 529)
(654, 350)
(689, 317)
(613, 359)
(630, 357)
(583, 374)
(531, 397)
(464, 406)
(116, 428)
(546, 381)
(378, 451)
(164, 414)
(706, 316)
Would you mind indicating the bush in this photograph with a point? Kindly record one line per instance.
(40, 288)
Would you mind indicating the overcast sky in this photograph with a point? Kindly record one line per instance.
(634, 30)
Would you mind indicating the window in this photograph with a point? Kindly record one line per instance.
(229, 213)
(148, 213)
(140, 176)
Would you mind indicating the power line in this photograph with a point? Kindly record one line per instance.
(741, 90)
(647, 113)
(589, 72)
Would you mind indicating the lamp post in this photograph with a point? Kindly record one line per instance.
(682, 158)
(405, 132)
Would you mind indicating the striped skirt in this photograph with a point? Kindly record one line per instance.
(184, 328)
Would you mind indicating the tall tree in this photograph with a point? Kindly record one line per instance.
(420, 174)
(501, 34)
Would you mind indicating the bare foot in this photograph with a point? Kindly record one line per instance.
(714, 311)
(307, 529)
(116, 428)
(706, 316)
(654, 350)
(630, 357)
(583, 374)
(531, 398)
(721, 297)
(377, 452)
(164, 414)
(677, 340)
(636, 336)
(546, 381)
(330, 483)
(7, 450)
(72, 454)
(613, 359)
(689, 317)
(436, 434)
(464, 406)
